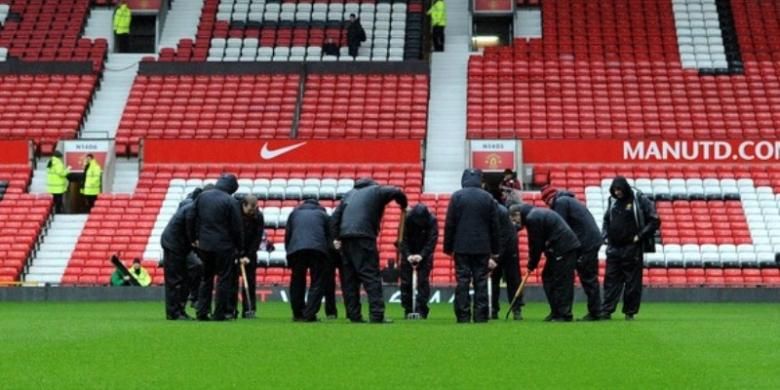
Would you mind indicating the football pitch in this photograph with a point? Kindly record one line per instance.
(130, 345)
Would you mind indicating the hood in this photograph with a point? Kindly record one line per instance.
(364, 182)
(621, 183)
(419, 214)
(310, 204)
(227, 183)
(471, 178)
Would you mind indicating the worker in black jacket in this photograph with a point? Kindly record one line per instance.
(548, 233)
(176, 249)
(581, 221)
(629, 229)
(306, 239)
(253, 226)
(354, 228)
(214, 225)
(472, 236)
(508, 265)
(417, 248)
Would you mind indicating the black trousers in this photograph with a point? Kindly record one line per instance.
(58, 203)
(471, 269)
(361, 266)
(122, 43)
(90, 200)
(176, 288)
(588, 272)
(438, 38)
(251, 283)
(423, 286)
(194, 276)
(222, 266)
(624, 274)
(353, 48)
(306, 306)
(558, 283)
(508, 268)
(329, 285)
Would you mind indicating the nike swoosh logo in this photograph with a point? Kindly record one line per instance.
(267, 154)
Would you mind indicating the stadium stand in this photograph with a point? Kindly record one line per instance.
(364, 106)
(44, 108)
(49, 30)
(22, 216)
(612, 69)
(208, 106)
(241, 30)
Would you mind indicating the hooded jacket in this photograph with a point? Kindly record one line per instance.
(174, 237)
(579, 219)
(359, 213)
(307, 229)
(421, 230)
(634, 215)
(215, 220)
(472, 225)
(547, 233)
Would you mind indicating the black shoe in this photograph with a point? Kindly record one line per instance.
(298, 319)
(249, 315)
(463, 321)
(548, 318)
(605, 317)
(562, 319)
(494, 316)
(178, 317)
(629, 317)
(203, 318)
(358, 321)
(312, 319)
(517, 316)
(381, 321)
(590, 317)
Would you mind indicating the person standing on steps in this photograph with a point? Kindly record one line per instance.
(438, 14)
(57, 180)
(122, 19)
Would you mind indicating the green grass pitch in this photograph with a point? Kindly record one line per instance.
(129, 345)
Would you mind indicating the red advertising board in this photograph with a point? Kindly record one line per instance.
(15, 152)
(281, 152)
(146, 5)
(650, 151)
(493, 5)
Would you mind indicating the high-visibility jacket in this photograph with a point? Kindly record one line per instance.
(142, 276)
(122, 18)
(93, 179)
(56, 177)
(438, 13)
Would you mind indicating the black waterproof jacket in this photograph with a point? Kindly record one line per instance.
(471, 226)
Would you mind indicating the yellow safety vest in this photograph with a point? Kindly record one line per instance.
(56, 177)
(93, 179)
(143, 278)
(438, 13)
(122, 18)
